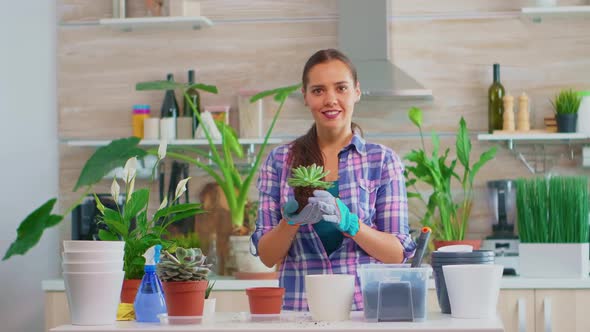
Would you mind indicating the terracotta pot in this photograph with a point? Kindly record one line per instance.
(185, 298)
(476, 244)
(129, 290)
(265, 300)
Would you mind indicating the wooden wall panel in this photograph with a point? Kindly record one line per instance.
(448, 46)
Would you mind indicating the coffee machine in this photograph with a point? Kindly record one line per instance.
(503, 241)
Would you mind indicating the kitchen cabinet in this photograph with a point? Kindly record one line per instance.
(562, 310)
(517, 309)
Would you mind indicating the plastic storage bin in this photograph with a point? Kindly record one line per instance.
(394, 292)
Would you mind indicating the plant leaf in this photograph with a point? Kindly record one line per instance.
(31, 229)
(483, 159)
(114, 222)
(167, 85)
(463, 144)
(415, 115)
(176, 209)
(138, 202)
(106, 235)
(279, 93)
(108, 157)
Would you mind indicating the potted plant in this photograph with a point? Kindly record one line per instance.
(209, 305)
(306, 179)
(184, 279)
(566, 105)
(552, 217)
(446, 214)
(132, 224)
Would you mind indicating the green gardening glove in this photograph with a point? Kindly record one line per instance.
(336, 212)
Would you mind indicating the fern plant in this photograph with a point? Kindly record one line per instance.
(306, 179)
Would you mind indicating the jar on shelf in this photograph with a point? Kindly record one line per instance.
(140, 113)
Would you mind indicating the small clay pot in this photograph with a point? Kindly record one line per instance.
(301, 196)
(185, 298)
(129, 290)
(265, 300)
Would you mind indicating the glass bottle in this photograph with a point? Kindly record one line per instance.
(495, 102)
(195, 97)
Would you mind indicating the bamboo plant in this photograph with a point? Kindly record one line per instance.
(553, 210)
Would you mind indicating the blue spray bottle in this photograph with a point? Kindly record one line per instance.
(149, 302)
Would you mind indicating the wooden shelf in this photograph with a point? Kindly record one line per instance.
(533, 137)
(128, 24)
(536, 14)
(201, 142)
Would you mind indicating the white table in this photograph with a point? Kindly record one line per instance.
(294, 321)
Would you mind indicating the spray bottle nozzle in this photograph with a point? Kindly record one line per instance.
(152, 255)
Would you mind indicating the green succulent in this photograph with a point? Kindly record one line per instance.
(187, 265)
(567, 102)
(309, 176)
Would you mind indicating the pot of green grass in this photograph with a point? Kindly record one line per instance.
(566, 105)
(553, 227)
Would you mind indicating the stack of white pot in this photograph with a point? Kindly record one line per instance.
(93, 277)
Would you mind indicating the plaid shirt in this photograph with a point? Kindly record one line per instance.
(371, 184)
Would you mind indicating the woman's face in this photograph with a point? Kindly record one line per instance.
(331, 94)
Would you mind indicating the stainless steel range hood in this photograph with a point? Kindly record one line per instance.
(363, 35)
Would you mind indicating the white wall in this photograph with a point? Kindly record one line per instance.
(28, 154)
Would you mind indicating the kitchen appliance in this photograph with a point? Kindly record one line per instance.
(85, 216)
(503, 241)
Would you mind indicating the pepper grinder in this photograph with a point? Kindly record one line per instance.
(523, 122)
(508, 124)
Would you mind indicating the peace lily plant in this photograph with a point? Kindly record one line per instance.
(118, 152)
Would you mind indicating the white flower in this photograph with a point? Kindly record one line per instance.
(129, 170)
(130, 190)
(163, 204)
(115, 190)
(181, 188)
(162, 149)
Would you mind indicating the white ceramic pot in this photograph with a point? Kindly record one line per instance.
(93, 298)
(209, 311)
(329, 296)
(92, 256)
(473, 289)
(245, 261)
(112, 266)
(74, 245)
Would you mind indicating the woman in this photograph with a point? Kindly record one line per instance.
(367, 223)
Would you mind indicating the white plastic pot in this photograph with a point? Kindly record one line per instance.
(93, 298)
(112, 266)
(473, 289)
(74, 245)
(92, 256)
(329, 296)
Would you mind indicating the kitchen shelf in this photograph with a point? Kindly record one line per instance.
(192, 142)
(536, 14)
(133, 23)
(539, 143)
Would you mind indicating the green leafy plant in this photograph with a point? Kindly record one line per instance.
(567, 102)
(116, 153)
(552, 210)
(210, 285)
(226, 174)
(306, 179)
(182, 265)
(147, 231)
(447, 218)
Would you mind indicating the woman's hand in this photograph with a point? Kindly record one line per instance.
(335, 211)
(309, 215)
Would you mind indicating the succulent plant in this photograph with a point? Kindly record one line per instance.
(306, 179)
(187, 265)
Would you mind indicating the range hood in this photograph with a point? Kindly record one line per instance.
(363, 35)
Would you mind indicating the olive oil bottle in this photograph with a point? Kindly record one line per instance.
(495, 103)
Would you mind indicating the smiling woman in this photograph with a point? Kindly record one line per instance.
(361, 218)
